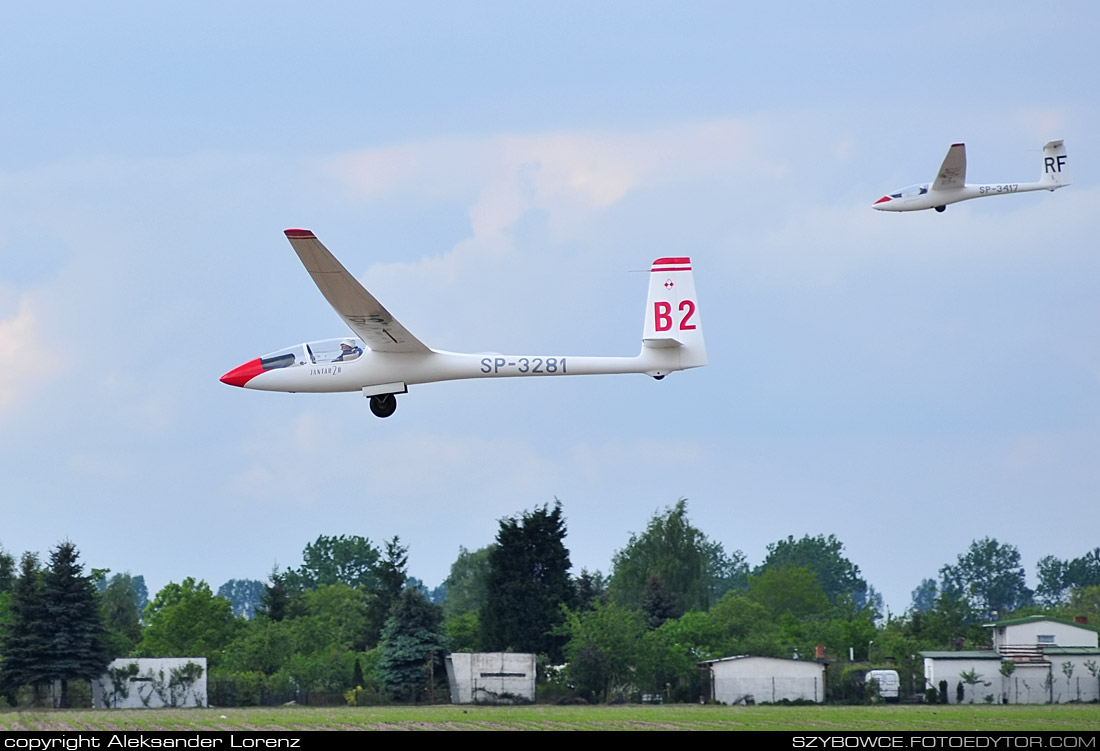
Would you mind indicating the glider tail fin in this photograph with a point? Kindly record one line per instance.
(1055, 172)
(672, 313)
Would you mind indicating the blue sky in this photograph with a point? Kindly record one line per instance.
(495, 173)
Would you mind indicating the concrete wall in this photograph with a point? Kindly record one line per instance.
(766, 679)
(491, 677)
(151, 683)
(1040, 684)
(951, 670)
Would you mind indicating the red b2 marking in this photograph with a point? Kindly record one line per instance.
(690, 307)
(662, 315)
(661, 318)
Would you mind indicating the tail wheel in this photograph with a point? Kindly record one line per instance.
(941, 209)
(383, 405)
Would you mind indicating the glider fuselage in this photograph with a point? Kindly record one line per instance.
(950, 184)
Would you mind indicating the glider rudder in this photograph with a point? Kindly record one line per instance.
(672, 312)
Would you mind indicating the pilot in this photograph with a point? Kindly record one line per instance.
(348, 351)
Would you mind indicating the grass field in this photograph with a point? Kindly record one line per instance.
(1066, 717)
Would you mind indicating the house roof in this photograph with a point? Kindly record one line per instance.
(984, 654)
(1039, 619)
(1049, 650)
(757, 657)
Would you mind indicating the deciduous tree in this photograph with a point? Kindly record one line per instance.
(988, 577)
(1057, 578)
(328, 560)
(837, 576)
(118, 604)
(691, 568)
(467, 584)
(188, 620)
(603, 649)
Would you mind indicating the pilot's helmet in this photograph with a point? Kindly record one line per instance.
(348, 343)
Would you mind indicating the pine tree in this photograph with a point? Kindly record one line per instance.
(24, 643)
(74, 641)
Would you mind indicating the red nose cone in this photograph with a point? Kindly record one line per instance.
(884, 199)
(241, 375)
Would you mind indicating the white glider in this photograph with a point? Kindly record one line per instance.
(950, 185)
(384, 359)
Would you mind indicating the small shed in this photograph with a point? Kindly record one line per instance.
(491, 677)
(746, 679)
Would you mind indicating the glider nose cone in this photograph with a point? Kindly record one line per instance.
(241, 375)
(882, 204)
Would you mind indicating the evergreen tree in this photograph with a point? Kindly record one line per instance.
(274, 601)
(412, 646)
(390, 575)
(24, 643)
(74, 643)
(528, 584)
(589, 587)
(7, 571)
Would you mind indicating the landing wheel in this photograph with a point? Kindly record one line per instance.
(383, 405)
(658, 377)
(941, 209)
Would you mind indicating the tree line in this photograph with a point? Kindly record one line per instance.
(350, 622)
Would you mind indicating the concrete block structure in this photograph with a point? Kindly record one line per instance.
(491, 677)
(151, 683)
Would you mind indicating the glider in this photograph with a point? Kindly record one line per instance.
(950, 185)
(383, 358)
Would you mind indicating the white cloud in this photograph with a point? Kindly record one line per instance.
(570, 174)
(29, 362)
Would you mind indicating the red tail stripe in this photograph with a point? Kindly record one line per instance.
(671, 264)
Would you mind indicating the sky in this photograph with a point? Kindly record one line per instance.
(498, 174)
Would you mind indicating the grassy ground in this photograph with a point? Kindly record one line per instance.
(1066, 717)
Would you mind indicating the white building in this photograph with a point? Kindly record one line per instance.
(491, 677)
(746, 679)
(1034, 660)
(151, 683)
